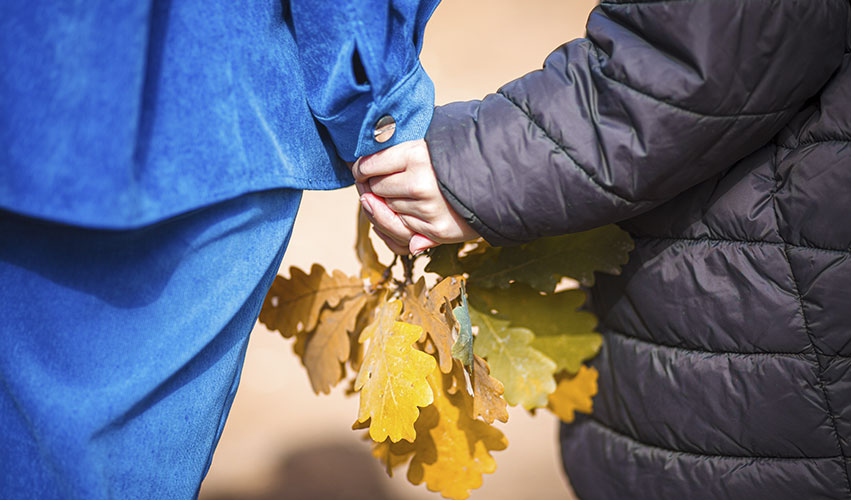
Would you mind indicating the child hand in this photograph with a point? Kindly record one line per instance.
(400, 193)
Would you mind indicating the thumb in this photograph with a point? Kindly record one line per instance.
(420, 243)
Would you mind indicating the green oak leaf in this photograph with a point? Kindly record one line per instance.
(460, 258)
(462, 349)
(562, 332)
(444, 261)
(542, 263)
(526, 373)
(569, 351)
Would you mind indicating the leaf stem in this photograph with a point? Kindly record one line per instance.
(388, 273)
(408, 266)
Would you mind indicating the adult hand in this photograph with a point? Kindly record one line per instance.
(399, 192)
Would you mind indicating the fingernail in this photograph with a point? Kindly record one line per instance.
(365, 204)
(419, 244)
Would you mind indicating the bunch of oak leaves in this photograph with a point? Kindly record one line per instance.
(430, 388)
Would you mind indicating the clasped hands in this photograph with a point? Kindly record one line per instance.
(400, 195)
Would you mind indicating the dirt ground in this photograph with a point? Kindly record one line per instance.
(284, 442)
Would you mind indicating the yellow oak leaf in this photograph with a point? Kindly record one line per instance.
(365, 316)
(393, 455)
(392, 379)
(327, 347)
(356, 426)
(371, 268)
(452, 449)
(424, 309)
(487, 394)
(293, 304)
(524, 371)
(574, 394)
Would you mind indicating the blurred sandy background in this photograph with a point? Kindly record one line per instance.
(284, 442)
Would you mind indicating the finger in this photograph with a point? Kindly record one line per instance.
(392, 245)
(403, 185)
(388, 161)
(418, 226)
(420, 243)
(421, 209)
(362, 188)
(385, 219)
(442, 229)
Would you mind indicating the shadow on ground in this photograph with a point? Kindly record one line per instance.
(320, 472)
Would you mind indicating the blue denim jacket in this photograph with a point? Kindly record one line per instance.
(120, 113)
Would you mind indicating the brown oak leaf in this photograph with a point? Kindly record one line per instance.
(293, 304)
(425, 309)
(327, 347)
(487, 394)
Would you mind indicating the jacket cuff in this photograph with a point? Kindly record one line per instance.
(492, 237)
(454, 150)
(410, 104)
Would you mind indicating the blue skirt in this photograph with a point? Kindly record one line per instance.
(120, 351)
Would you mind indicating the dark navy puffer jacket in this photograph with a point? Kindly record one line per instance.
(718, 133)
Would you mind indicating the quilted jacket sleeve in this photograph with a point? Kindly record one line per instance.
(659, 96)
(360, 60)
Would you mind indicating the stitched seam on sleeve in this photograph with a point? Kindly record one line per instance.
(813, 142)
(596, 421)
(648, 2)
(651, 2)
(597, 69)
(734, 116)
(779, 244)
(702, 351)
(607, 191)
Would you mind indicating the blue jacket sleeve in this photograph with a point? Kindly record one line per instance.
(360, 60)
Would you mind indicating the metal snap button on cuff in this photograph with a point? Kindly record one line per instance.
(385, 127)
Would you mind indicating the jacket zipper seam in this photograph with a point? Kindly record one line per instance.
(807, 328)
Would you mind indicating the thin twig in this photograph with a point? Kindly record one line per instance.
(388, 273)
(408, 266)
